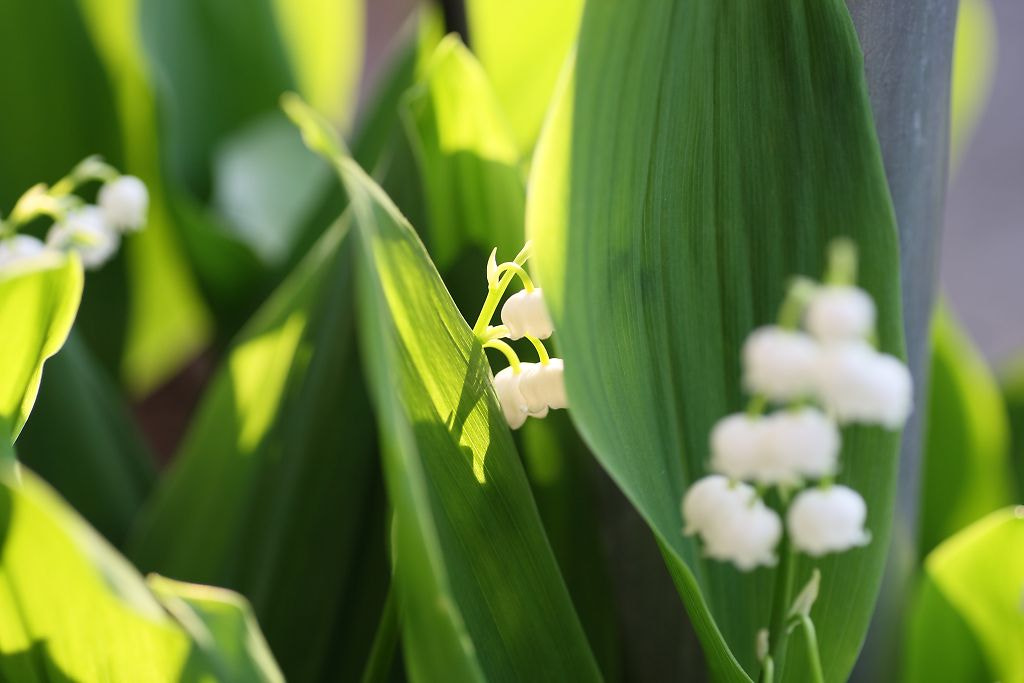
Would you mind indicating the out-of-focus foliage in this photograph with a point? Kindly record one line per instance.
(1013, 392)
(37, 308)
(966, 470)
(974, 60)
(71, 608)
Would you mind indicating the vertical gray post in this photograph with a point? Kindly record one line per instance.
(908, 48)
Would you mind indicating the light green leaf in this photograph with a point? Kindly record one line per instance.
(38, 304)
(522, 46)
(980, 572)
(467, 156)
(691, 165)
(479, 592)
(1013, 392)
(966, 470)
(71, 608)
(276, 490)
(974, 65)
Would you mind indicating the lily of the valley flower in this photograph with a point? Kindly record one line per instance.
(124, 202)
(85, 229)
(801, 444)
(856, 383)
(513, 405)
(734, 524)
(827, 520)
(838, 313)
(543, 386)
(779, 364)
(18, 248)
(525, 313)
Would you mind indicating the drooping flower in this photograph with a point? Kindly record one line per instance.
(525, 313)
(827, 520)
(513, 405)
(779, 363)
(800, 444)
(745, 534)
(85, 229)
(856, 383)
(840, 313)
(124, 202)
(18, 248)
(543, 386)
(737, 446)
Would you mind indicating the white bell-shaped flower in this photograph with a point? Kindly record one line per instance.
(86, 230)
(779, 363)
(513, 405)
(18, 248)
(745, 534)
(543, 386)
(708, 497)
(800, 444)
(827, 520)
(737, 445)
(526, 313)
(858, 384)
(124, 202)
(840, 313)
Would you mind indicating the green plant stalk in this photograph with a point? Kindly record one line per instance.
(382, 652)
(811, 639)
(780, 603)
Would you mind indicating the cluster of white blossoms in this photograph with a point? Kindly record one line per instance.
(92, 230)
(824, 376)
(523, 389)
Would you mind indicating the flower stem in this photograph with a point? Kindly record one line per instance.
(513, 267)
(797, 296)
(513, 359)
(811, 641)
(542, 353)
(783, 596)
(494, 293)
(842, 262)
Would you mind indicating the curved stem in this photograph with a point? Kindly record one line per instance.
(781, 600)
(513, 359)
(513, 267)
(767, 670)
(542, 352)
(813, 656)
(494, 293)
(494, 333)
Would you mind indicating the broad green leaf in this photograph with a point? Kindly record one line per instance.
(275, 488)
(38, 303)
(966, 470)
(979, 572)
(939, 645)
(479, 592)
(691, 164)
(974, 62)
(1013, 392)
(467, 156)
(83, 441)
(522, 46)
(71, 608)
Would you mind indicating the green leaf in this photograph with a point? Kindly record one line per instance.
(83, 441)
(479, 592)
(38, 304)
(978, 572)
(1013, 392)
(700, 155)
(966, 468)
(71, 608)
(467, 156)
(974, 65)
(939, 645)
(522, 46)
(275, 491)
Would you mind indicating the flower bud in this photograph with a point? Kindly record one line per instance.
(745, 534)
(526, 313)
(17, 248)
(513, 405)
(858, 384)
(840, 313)
(779, 363)
(707, 497)
(543, 386)
(737, 445)
(85, 230)
(801, 443)
(827, 520)
(124, 202)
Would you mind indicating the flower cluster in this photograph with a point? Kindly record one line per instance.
(523, 389)
(92, 230)
(826, 375)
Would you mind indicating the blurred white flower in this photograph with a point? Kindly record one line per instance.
(745, 534)
(86, 230)
(708, 496)
(737, 446)
(124, 202)
(543, 386)
(779, 363)
(800, 444)
(513, 405)
(526, 313)
(18, 248)
(840, 313)
(858, 384)
(827, 520)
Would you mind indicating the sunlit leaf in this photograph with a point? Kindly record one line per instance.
(1013, 392)
(939, 645)
(701, 155)
(38, 303)
(71, 608)
(271, 492)
(974, 62)
(966, 470)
